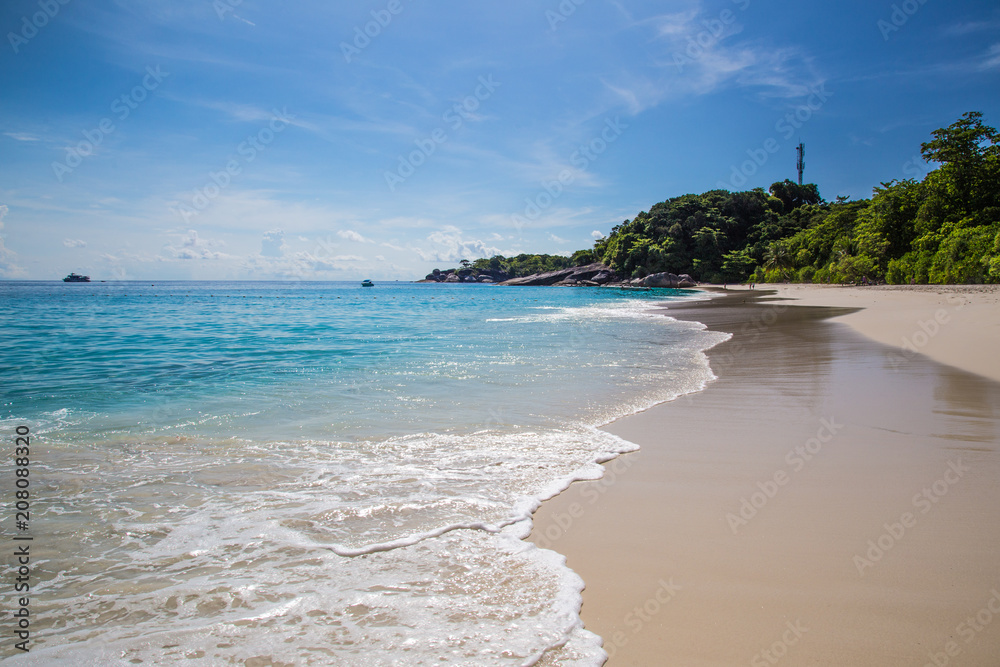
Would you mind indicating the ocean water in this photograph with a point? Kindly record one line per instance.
(318, 473)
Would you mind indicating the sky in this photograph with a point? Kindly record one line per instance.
(318, 140)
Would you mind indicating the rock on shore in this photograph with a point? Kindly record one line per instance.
(597, 273)
(591, 275)
(668, 280)
(464, 276)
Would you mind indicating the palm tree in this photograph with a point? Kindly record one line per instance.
(777, 258)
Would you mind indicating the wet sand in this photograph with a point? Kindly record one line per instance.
(829, 500)
(956, 325)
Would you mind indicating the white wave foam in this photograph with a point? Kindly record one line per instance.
(357, 553)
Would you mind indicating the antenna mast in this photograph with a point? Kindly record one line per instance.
(800, 163)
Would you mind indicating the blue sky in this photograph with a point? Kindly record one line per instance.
(246, 139)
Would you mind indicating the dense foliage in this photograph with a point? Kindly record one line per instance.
(522, 265)
(944, 229)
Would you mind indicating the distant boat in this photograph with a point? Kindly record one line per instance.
(367, 283)
(76, 278)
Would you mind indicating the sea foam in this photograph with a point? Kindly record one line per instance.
(352, 487)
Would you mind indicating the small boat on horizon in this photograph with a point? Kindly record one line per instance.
(367, 283)
(76, 278)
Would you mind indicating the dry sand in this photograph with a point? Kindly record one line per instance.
(829, 500)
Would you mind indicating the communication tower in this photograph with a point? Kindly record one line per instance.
(800, 163)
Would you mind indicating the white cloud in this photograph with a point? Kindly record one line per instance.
(696, 60)
(968, 27)
(351, 235)
(8, 269)
(21, 136)
(675, 25)
(992, 60)
(299, 265)
(74, 243)
(449, 246)
(191, 246)
(273, 243)
(553, 237)
(596, 234)
(631, 97)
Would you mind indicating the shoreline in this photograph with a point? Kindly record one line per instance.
(749, 523)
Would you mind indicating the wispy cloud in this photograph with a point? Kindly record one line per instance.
(192, 246)
(674, 25)
(449, 245)
(992, 58)
(351, 235)
(8, 267)
(969, 27)
(689, 59)
(273, 243)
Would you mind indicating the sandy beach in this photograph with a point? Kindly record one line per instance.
(831, 499)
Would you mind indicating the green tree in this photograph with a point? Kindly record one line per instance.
(885, 229)
(792, 195)
(969, 175)
(777, 260)
(945, 228)
(737, 265)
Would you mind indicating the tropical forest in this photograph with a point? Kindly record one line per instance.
(942, 229)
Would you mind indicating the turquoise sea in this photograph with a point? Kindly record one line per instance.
(246, 473)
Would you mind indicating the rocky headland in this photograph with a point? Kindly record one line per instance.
(589, 275)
